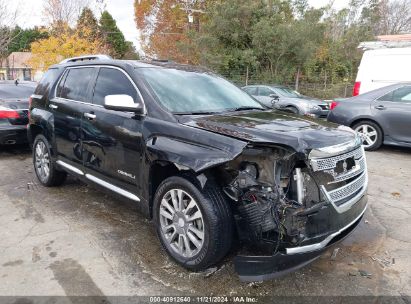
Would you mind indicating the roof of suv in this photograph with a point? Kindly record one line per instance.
(135, 64)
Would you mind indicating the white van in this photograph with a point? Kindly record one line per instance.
(383, 67)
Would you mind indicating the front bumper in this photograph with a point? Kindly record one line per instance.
(10, 135)
(318, 113)
(325, 229)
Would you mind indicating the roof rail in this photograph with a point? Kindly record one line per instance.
(86, 57)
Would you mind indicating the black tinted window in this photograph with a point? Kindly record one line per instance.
(61, 84)
(399, 95)
(46, 81)
(76, 84)
(112, 82)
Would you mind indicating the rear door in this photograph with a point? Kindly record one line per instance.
(112, 140)
(72, 96)
(393, 112)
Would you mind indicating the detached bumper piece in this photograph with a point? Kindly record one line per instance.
(261, 268)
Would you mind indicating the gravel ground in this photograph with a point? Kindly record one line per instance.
(77, 241)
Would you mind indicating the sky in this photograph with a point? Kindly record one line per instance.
(121, 10)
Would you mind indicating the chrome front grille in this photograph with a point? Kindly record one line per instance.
(342, 177)
(347, 177)
(330, 163)
(338, 195)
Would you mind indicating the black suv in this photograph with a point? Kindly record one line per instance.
(203, 159)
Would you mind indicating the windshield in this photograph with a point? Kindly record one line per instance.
(287, 92)
(185, 92)
(12, 91)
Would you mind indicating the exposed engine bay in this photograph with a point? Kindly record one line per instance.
(274, 192)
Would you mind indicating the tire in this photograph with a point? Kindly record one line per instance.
(372, 134)
(216, 222)
(45, 168)
(293, 110)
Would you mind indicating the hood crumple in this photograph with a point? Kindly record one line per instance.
(273, 127)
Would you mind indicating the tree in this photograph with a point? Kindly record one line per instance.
(7, 20)
(395, 17)
(87, 25)
(61, 12)
(55, 48)
(23, 38)
(112, 36)
(166, 27)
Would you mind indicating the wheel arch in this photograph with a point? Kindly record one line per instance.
(161, 170)
(357, 120)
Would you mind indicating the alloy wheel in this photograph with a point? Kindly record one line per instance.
(368, 134)
(182, 223)
(42, 161)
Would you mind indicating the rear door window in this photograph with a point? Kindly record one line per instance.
(112, 82)
(399, 95)
(76, 84)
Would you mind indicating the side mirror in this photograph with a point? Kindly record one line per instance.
(122, 103)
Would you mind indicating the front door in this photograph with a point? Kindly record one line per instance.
(265, 96)
(393, 112)
(112, 140)
(73, 92)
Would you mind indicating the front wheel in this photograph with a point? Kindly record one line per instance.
(44, 166)
(370, 133)
(292, 109)
(195, 228)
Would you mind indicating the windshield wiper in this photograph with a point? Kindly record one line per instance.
(244, 108)
(195, 113)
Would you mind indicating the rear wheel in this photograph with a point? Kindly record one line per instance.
(195, 228)
(44, 166)
(370, 133)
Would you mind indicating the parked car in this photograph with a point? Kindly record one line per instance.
(380, 116)
(382, 67)
(281, 97)
(14, 105)
(203, 159)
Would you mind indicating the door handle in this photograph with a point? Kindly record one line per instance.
(380, 107)
(53, 107)
(90, 116)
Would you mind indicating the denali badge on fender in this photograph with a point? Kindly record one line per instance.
(207, 162)
(126, 174)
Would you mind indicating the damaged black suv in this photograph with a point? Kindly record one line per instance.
(203, 159)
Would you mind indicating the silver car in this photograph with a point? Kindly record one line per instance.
(382, 116)
(281, 97)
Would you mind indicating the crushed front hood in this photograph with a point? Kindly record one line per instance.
(273, 127)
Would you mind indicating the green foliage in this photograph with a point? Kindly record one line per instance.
(113, 36)
(21, 39)
(88, 24)
(285, 41)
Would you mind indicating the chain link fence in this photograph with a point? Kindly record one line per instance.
(322, 90)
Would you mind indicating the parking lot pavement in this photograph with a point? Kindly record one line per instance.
(75, 240)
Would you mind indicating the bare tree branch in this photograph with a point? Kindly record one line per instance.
(63, 11)
(8, 17)
(395, 16)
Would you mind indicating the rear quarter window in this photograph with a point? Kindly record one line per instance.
(46, 82)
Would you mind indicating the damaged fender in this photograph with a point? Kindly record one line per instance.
(192, 156)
